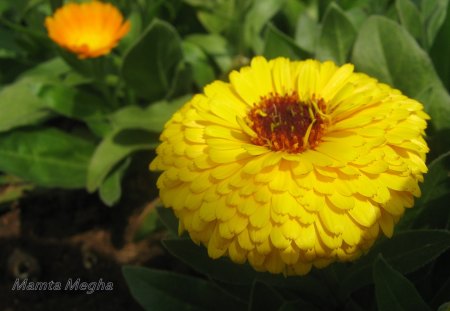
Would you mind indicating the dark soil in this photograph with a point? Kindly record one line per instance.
(60, 235)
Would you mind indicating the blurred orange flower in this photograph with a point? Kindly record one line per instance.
(89, 29)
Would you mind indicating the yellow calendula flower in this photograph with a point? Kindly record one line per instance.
(90, 29)
(292, 164)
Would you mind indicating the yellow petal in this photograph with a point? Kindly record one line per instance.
(337, 81)
(329, 239)
(332, 219)
(217, 246)
(291, 229)
(307, 237)
(244, 241)
(237, 253)
(289, 255)
(273, 263)
(341, 201)
(307, 80)
(259, 235)
(387, 224)
(282, 78)
(278, 239)
(261, 216)
(364, 213)
(352, 233)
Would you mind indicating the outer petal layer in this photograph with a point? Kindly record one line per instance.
(286, 212)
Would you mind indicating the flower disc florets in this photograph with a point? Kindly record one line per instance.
(292, 164)
(283, 123)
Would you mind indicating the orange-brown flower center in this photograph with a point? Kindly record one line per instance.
(284, 123)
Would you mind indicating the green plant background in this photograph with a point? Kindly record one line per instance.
(71, 123)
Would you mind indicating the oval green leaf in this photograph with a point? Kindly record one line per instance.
(385, 50)
(149, 65)
(163, 290)
(393, 291)
(337, 36)
(406, 251)
(47, 157)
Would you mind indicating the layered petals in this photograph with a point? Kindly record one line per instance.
(285, 208)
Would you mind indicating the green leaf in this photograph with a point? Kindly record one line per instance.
(214, 46)
(406, 251)
(437, 181)
(148, 224)
(410, 18)
(19, 106)
(441, 49)
(136, 25)
(12, 188)
(441, 296)
(226, 271)
(115, 147)
(307, 33)
(357, 16)
(217, 16)
(47, 157)
(279, 44)
(264, 297)
(433, 15)
(291, 11)
(55, 4)
(299, 304)
(393, 291)
(162, 290)
(385, 50)
(111, 189)
(444, 307)
(221, 269)
(149, 65)
(134, 129)
(258, 16)
(353, 4)
(169, 219)
(436, 185)
(182, 81)
(201, 70)
(72, 102)
(151, 118)
(92, 68)
(50, 70)
(436, 101)
(337, 36)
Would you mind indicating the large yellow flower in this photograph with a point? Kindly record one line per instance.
(292, 164)
(88, 29)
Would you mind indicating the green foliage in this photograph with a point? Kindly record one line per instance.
(410, 18)
(279, 44)
(148, 224)
(31, 110)
(337, 36)
(111, 189)
(432, 207)
(71, 123)
(161, 290)
(393, 291)
(405, 251)
(46, 156)
(440, 49)
(407, 66)
(148, 68)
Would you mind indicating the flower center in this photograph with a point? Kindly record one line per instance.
(284, 123)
